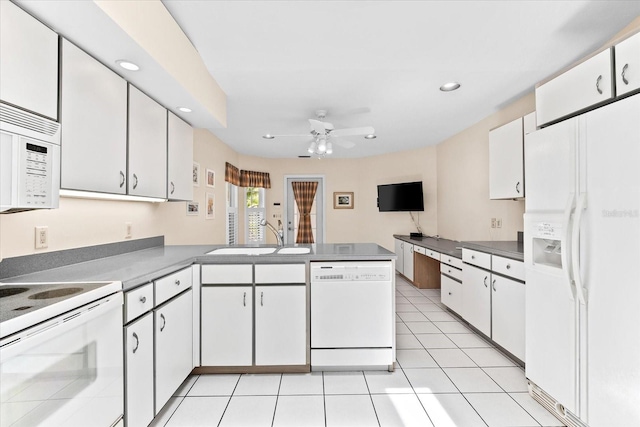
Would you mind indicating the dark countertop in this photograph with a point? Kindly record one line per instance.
(444, 246)
(509, 249)
(140, 267)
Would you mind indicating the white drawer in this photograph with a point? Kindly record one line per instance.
(480, 259)
(451, 260)
(173, 284)
(227, 274)
(456, 273)
(137, 302)
(508, 267)
(433, 254)
(280, 273)
(420, 249)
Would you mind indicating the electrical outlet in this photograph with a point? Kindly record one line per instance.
(499, 223)
(493, 223)
(42, 237)
(127, 233)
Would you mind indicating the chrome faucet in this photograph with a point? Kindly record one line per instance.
(273, 229)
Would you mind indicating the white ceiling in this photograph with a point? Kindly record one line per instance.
(279, 61)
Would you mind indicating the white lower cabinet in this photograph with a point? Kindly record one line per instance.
(399, 248)
(476, 298)
(451, 293)
(281, 327)
(508, 315)
(138, 362)
(408, 261)
(227, 326)
(173, 345)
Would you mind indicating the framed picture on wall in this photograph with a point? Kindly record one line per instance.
(196, 174)
(210, 208)
(342, 200)
(193, 208)
(211, 178)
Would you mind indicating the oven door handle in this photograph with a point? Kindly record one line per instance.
(23, 341)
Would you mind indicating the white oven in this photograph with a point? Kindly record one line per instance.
(66, 370)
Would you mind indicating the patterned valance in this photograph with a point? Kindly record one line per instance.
(255, 179)
(231, 174)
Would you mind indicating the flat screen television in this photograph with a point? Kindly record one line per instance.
(406, 196)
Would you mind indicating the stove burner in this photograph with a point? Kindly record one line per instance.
(56, 293)
(7, 292)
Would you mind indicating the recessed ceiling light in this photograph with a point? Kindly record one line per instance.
(370, 136)
(184, 109)
(127, 65)
(268, 136)
(448, 87)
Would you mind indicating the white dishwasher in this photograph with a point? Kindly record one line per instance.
(352, 315)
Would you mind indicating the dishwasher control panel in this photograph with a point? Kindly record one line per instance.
(350, 272)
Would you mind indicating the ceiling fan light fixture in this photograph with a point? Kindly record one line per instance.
(312, 147)
(268, 136)
(322, 146)
(450, 86)
(329, 148)
(370, 136)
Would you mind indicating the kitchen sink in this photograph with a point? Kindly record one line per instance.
(291, 251)
(242, 251)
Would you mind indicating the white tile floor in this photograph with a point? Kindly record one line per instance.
(446, 376)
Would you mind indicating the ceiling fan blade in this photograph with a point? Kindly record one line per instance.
(368, 130)
(344, 143)
(304, 135)
(317, 126)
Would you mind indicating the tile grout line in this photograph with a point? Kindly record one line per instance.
(275, 407)
(324, 400)
(373, 405)
(229, 401)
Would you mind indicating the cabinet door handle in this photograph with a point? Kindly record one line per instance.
(173, 188)
(177, 282)
(623, 74)
(411, 249)
(449, 271)
(473, 257)
(449, 293)
(244, 300)
(164, 322)
(137, 342)
(121, 179)
(261, 298)
(135, 183)
(494, 285)
(518, 187)
(143, 299)
(598, 84)
(508, 266)
(485, 281)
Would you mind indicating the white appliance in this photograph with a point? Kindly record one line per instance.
(352, 315)
(29, 161)
(61, 357)
(582, 259)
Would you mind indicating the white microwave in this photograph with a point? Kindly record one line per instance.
(29, 161)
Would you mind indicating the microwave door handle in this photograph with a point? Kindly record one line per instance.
(575, 249)
(566, 245)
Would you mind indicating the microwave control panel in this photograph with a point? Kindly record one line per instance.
(37, 174)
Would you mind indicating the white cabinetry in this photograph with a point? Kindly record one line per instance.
(408, 261)
(585, 85)
(451, 293)
(476, 298)
(139, 394)
(506, 161)
(94, 123)
(28, 62)
(628, 65)
(179, 159)
(508, 315)
(399, 247)
(173, 346)
(281, 326)
(147, 146)
(227, 325)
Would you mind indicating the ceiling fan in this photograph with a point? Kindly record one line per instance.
(324, 135)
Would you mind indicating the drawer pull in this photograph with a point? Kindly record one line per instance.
(177, 282)
(508, 266)
(244, 299)
(598, 84)
(473, 257)
(449, 271)
(449, 293)
(485, 281)
(137, 342)
(143, 299)
(261, 299)
(624, 72)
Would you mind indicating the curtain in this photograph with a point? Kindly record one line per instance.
(304, 192)
(255, 179)
(231, 174)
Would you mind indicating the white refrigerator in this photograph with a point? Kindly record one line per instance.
(582, 259)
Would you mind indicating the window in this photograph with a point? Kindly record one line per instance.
(255, 212)
(232, 214)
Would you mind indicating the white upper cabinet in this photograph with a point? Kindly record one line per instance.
(28, 62)
(506, 161)
(180, 159)
(628, 65)
(583, 86)
(147, 146)
(94, 124)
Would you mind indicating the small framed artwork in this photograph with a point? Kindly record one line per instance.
(211, 178)
(210, 208)
(196, 174)
(342, 200)
(193, 208)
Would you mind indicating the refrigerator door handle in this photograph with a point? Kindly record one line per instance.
(566, 246)
(575, 252)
